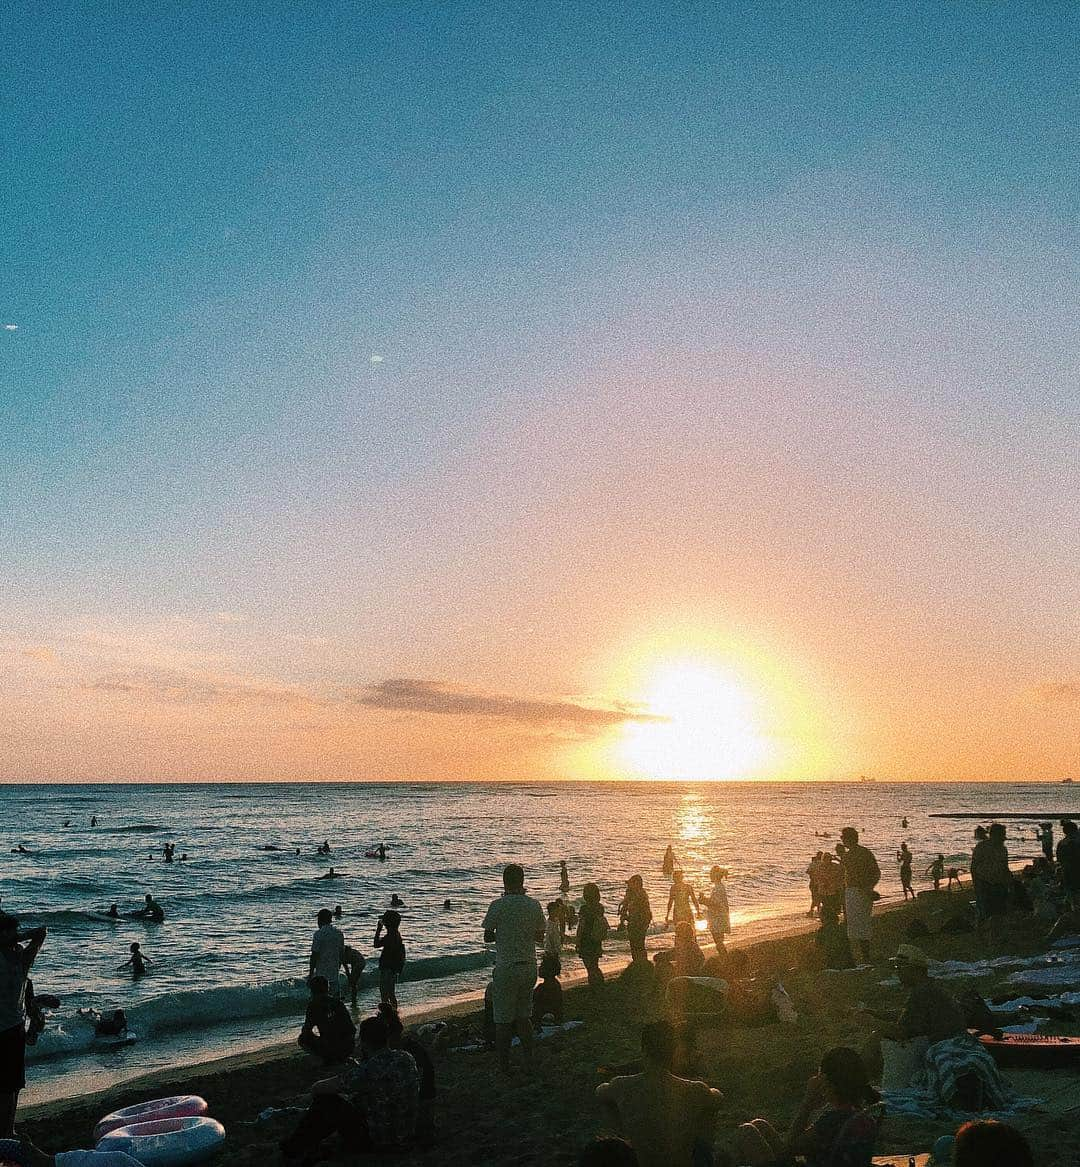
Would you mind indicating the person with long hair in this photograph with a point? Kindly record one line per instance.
(636, 913)
(834, 1125)
(717, 911)
(591, 930)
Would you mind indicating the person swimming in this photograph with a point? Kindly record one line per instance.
(137, 962)
(382, 852)
(67, 822)
(332, 874)
(324, 848)
(152, 910)
(113, 913)
(447, 905)
(338, 913)
(114, 1026)
(396, 901)
(93, 820)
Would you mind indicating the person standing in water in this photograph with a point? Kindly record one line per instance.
(137, 962)
(635, 912)
(93, 820)
(717, 911)
(392, 960)
(327, 949)
(679, 901)
(15, 964)
(668, 866)
(564, 877)
(903, 857)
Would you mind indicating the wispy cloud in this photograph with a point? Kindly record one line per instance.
(40, 653)
(174, 686)
(1058, 693)
(415, 696)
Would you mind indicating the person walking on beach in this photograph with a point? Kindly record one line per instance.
(903, 857)
(15, 963)
(668, 866)
(635, 912)
(592, 930)
(717, 911)
(514, 923)
(392, 960)
(679, 900)
(327, 949)
(861, 875)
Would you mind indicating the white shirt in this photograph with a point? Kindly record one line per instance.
(515, 918)
(328, 946)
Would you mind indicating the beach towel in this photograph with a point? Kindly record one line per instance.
(959, 1073)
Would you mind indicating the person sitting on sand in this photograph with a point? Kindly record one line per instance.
(717, 911)
(833, 1127)
(686, 958)
(515, 924)
(328, 1032)
(668, 1120)
(990, 1143)
(553, 936)
(397, 1038)
(137, 962)
(547, 998)
(608, 1151)
(392, 960)
(679, 900)
(373, 1105)
(327, 947)
(832, 942)
(635, 912)
(114, 1026)
(929, 1010)
(592, 930)
(354, 964)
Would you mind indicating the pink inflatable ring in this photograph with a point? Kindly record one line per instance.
(167, 1142)
(178, 1106)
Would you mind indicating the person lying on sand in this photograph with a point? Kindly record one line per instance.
(832, 1126)
(669, 1121)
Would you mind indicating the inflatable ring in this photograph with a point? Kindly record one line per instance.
(178, 1106)
(167, 1142)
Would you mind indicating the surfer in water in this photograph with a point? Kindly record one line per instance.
(137, 962)
(332, 874)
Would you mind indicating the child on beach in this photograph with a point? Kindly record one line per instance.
(137, 962)
(392, 960)
(591, 931)
(547, 1000)
(717, 911)
(553, 936)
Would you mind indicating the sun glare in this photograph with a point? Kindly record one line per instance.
(709, 729)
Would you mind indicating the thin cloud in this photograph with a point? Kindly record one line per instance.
(1058, 693)
(175, 687)
(412, 696)
(40, 653)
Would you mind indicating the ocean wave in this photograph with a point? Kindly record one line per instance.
(135, 829)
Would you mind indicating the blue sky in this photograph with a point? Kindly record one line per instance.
(405, 333)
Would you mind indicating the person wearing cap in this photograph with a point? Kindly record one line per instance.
(15, 963)
(717, 911)
(928, 1011)
(327, 951)
(861, 874)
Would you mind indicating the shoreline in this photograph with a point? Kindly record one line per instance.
(762, 931)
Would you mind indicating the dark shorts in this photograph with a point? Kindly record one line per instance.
(13, 1059)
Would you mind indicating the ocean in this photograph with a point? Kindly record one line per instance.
(229, 961)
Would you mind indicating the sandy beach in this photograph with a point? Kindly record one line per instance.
(482, 1118)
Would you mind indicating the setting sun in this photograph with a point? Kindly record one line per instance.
(710, 729)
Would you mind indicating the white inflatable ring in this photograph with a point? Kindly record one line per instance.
(167, 1142)
(178, 1106)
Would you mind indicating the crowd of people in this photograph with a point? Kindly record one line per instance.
(382, 1094)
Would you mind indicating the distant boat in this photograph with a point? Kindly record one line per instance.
(863, 778)
(1066, 782)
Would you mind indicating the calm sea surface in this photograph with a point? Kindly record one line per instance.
(229, 959)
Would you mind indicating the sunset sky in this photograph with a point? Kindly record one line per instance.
(516, 390)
